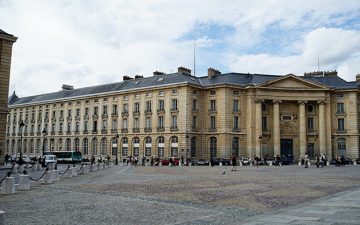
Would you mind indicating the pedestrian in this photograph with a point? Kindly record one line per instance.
(233, 162)
(7, 156)
(317, 161)
(92, 160)
(306, 160)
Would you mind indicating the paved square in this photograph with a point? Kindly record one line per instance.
(191, 195)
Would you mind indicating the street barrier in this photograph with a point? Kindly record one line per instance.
(47, 177)
(73, 172)
(24, 183)
(2, 217)
(8, 186)
(55, 175)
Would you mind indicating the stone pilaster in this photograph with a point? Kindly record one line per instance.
(276, 128)
(302, 128)
(322, 128)
(258, 125)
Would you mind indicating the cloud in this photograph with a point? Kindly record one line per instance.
(92, 42)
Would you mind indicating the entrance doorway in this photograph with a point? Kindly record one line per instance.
(286, 147)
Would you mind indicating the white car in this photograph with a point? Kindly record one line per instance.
(26, 159)
(50, 159)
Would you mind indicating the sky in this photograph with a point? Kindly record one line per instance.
(91, 42)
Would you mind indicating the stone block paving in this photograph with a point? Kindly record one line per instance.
(193, 195)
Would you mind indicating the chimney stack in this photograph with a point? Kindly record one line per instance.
(330, 73)
(126, 77)
(157, 73)
(139, 76)
(358, 78)
(66, 87)
(213, 73)
(184, 70)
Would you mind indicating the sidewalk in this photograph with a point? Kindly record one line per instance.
(342, 208)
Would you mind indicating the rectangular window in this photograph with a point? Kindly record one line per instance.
(77, 112)
(341, 124)
(148, 122)
(104, 124)
(46, 115)
(340, 108)
(212, 122)
(174, 122)
(69, 113)
(161, 93)
(194, 105)
(137, 107)
(174, 91)
(61, 127)
(94, 125)
(148, 106)
(69, 127)
(310, 124)
(161, 105)
(61, 113)
(194, 122)
(105, 110)
(53, 115)
(86, 111)
(114, 124)
(161, 122)
(174, 104)
(212, 105)
(235, 105)
(264, 123)
(236, 123)
(212, 92)
(136, 123)
(86, 126)
(125, 108)
(114, 109)
(125, 123)
(77, 127)
(96, 111)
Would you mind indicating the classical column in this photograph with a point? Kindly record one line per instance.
(258, 125)
(276, 127)
(322, 130)
(302, 128)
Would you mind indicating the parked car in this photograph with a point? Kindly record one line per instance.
(165, 162)
(284, 161)
(245, 161)
(270, 159)
(357, 161)
(48, 159)
(224, 162)
(347, 161)
(26, 159)
(202, 162)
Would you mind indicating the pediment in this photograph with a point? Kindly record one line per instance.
(292, 82)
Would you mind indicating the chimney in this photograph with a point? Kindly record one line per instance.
(358, 78)
(213, 72)
(314, 74)
(330, 73)
(157, 73)
(126, 77)
(184, 70)
(139, 76)
(66, 87)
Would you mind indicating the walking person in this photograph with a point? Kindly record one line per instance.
(317, 161)
(306, 160)
(234, 163)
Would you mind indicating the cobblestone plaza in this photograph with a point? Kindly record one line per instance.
(193, 195)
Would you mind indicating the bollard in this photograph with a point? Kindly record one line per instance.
(100, 167)
(309, 163)
(299, 164)
(241, 163)
(55, 175)
(8, 186)
(69, 173)
(27, 165)
(24, 183)
(39, 167)
(47, 178)
(355, 163)
(2, 217)
(86, 169)
(327, 163)
(74, 171)
(21, 168)
(92, 168)
(220, 164)
(180, 163)
(15, 169)
(82, 170)
(271, 163)
(34, 167)
(189, 163)
(160, 163)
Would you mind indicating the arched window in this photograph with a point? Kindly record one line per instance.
(213, 147)
(136, 146)
(68, 144)
(46, 144)
(148, 146)
(114, 146)
(38, 146)
(60, 144)
(32, 146)
(85, 146)
(94, 144)
(8, 146)
(103, 146)
(124, 146)
(19, 147)
(77, 144)
(341, 144)
(235, 146)
(161, 141)
(174, 146)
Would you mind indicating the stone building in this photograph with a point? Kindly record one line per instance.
(6, 42)
(182, 115)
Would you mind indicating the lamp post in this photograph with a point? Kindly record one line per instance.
(21, 134)
(187, 146)
(115, 145)
(260, 139)
(43, 147)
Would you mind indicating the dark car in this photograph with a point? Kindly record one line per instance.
(224, 162)
(284, 161)
(347, 161)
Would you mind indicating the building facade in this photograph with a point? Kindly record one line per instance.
(182, 115)
(6, 42)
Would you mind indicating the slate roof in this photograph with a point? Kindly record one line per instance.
(3, 32)
(240, 79)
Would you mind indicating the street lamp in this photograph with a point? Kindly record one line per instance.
(116, 149)
(187, 146)
(43, 148)
(21, 134)
(260, 139)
